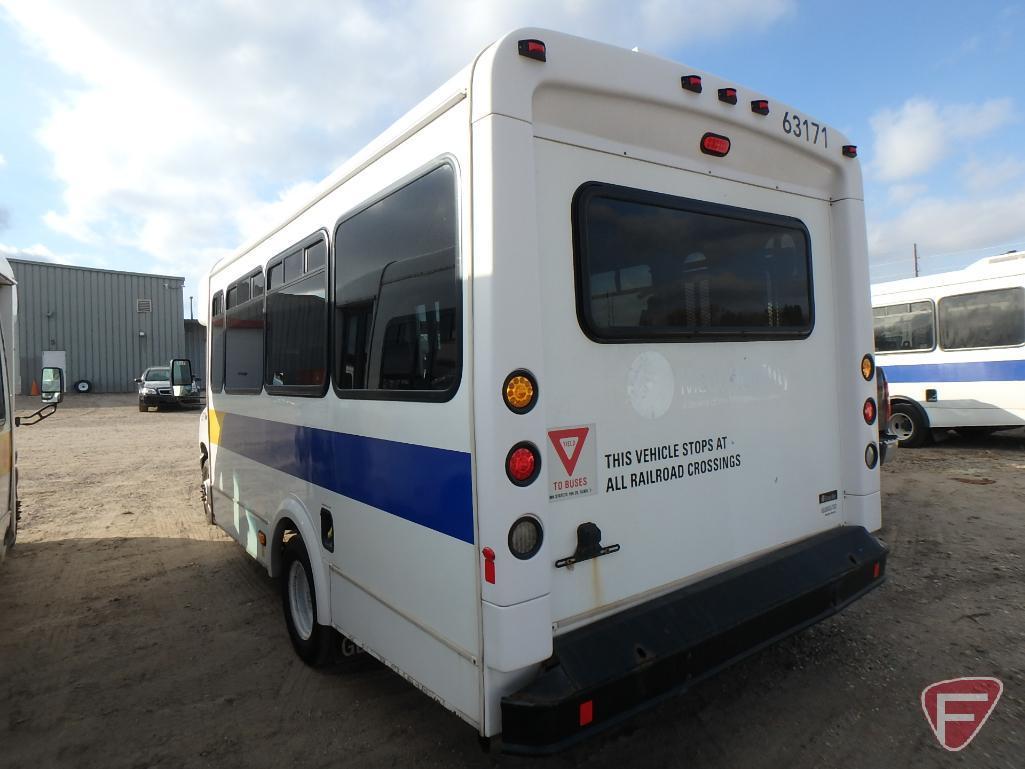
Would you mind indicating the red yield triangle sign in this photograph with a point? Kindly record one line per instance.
(568, 444)
(957, 709)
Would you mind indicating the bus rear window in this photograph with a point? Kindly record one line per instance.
(652, 266)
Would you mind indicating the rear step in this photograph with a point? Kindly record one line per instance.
(609, 670)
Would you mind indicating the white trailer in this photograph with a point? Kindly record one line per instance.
(559, 396)
(953, 345)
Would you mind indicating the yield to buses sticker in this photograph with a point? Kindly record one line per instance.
(572, 462)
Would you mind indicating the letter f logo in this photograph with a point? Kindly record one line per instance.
(957, 709)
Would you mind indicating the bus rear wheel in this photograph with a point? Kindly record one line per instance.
(313, 642)
(911, 426)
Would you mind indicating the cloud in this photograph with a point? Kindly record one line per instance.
(178, 139)
(3, 160)
(37, 253)
(947, 228)
(911, 140)
(985, 176)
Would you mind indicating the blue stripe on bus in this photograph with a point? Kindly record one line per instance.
(426, 485)
(977, 371)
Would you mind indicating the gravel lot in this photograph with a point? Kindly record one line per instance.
(133, 635)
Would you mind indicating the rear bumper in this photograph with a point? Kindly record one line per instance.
(609, 670)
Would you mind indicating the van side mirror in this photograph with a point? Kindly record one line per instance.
(181, 372)
(52, 390)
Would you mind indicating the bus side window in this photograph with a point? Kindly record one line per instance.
(398, 292)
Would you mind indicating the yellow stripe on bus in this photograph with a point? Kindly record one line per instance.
(214, 426)
(5, 452)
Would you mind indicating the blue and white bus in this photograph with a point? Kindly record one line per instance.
(517, 401)
(953, 346)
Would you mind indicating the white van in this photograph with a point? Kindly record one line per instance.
(559, 396)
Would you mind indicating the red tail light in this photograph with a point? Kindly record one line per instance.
(523, 463)
(714, 144)
(869, 411)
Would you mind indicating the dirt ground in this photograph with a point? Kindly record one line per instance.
(134, 635)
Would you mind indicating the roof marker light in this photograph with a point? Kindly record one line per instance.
(533, 49)
(728, 95)
(850, 151)
(760, 106)
(714, 144)
(691, 83)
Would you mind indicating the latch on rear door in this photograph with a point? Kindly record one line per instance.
(588, 546)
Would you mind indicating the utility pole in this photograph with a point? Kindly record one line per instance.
(193, 317)
(916, 265)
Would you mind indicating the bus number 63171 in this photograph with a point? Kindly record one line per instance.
(798, 127)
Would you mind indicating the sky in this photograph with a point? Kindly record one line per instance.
(160, 136)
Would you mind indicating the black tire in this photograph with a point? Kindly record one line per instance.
(911, 425)
(205, 492)
(143, 406)
(313, 642)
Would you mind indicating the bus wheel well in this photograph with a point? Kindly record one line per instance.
(204, 455)
(285, 530)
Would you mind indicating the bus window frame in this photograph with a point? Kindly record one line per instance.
(300, 391)
(247, 278)
(591, 189)
(935, 328)
(415, 396)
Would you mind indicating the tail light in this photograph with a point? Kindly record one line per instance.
(869, 411)
(523, 463)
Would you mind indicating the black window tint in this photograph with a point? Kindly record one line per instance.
(297, 335)
(258, 285)
(983, 319)
(654, 266)
(243, 350)
(275, 276)
(293, 266)
(217, 343)
(397, 292)
(232, 296)
(316, 256)
(910, 326)
(243, 292)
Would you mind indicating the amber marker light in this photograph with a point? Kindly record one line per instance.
(520, 391)
(868, 368)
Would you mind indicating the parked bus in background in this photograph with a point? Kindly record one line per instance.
(559, 396)
(953, 345)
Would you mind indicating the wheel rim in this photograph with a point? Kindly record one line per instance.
(83, 387)
(902, 426)
(300, 601)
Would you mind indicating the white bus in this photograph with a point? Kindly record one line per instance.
(953, 346)
(52, 392)
(559, 396)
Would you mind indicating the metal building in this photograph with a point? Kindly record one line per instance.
(111, 324)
